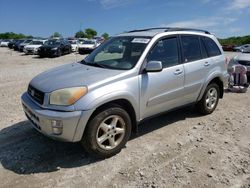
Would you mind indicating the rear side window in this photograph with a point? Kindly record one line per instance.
(191, 48)
(211, 46)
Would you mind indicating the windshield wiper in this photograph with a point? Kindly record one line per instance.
(93, 64)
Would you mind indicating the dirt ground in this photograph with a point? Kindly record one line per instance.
(178, 149)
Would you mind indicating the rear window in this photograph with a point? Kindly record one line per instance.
(191, 48)
(211, 46)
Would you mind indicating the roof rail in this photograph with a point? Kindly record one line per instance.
(166, 29)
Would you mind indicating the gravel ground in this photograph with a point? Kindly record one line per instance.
(178, 149)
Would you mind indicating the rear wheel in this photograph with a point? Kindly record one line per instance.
(59, 52)
(210, 99)
(107, 133)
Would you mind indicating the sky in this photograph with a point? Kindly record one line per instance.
(42, 18)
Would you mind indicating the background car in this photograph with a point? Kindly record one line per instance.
(24, 43)
(54, 47)
(241, 48)
(4, 43)
(229, 47)
(11, 43)
(74, 45)
(16, 45)
(88, 46)
(32, 48)
(243, 59)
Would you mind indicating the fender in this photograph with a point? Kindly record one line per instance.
(215, 74)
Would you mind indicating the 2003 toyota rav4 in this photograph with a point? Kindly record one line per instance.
(130, 77)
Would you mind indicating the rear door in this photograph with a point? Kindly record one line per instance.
(196, 66)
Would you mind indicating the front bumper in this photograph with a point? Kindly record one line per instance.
(73, 122)
(48, 53)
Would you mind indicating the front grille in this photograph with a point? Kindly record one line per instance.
(246, 63)
(35, 94)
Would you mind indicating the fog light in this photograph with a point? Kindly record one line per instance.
(57, 127)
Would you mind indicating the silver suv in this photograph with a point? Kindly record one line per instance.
(132, 76)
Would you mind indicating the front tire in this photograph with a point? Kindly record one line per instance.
(107, 133)
(210, 99)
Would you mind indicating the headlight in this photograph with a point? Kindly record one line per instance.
(54, 48)
(67, 96)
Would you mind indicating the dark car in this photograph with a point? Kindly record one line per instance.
(11, 43)
(228, 47)
(54, 47)
(16, 46)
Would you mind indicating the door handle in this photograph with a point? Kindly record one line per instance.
(178, 71)
(206, 64)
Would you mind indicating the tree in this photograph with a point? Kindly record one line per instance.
(56, 34)
(90, 33)
(80, 34)
(105, 36)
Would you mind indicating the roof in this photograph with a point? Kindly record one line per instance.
(150, 32)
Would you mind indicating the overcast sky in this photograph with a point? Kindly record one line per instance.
(43, 17)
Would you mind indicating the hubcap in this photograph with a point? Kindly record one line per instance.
(110, 132)
(211, 98)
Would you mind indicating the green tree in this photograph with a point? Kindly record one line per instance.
(56, 34)
(105, 36)
(90, 33)
(80, 34)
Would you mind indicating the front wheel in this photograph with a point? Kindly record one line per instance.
(108, 132)
(209, 100)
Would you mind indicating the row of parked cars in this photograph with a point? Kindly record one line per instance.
(235, 48)
(53, 47)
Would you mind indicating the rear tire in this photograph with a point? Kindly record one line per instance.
(107, 133)
(209, 100)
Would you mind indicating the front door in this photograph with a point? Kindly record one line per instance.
(161, 91)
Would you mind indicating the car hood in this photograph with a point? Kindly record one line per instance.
(33, 46)
(71, 75)
(87, 46)
(243, 57)
(49, 46)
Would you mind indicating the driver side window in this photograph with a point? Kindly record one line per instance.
(166, 51)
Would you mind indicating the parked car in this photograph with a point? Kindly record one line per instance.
(74, 45)
(11, 43)
(32, 48)
(16, 45)
(228, 47)
(101, 99)
(246, 49)
(243, 59)
(241, 48)
(4, 43)
(54, 47)
(24, 43)
(87, 46)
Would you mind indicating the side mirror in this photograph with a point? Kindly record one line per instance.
(154, 66)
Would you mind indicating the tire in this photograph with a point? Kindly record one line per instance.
(209, 100)
(112, 137)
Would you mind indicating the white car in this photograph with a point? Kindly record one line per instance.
(4, 43)
(32, 48)
(88, 46)
(74, 45)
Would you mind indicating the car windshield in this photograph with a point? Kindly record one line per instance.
(52, 42)
(89, 42)
(72, 41)
(27, 41)
(37, 42)
(121, 53)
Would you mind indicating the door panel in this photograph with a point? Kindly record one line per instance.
(161, 91)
